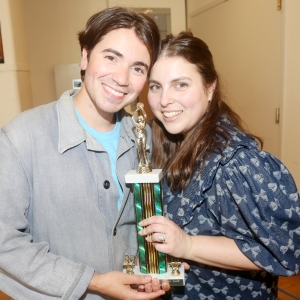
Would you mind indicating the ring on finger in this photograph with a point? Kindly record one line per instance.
(161, 237)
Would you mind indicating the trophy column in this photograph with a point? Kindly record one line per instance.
(148, 200)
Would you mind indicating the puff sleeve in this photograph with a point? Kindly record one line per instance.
(259, 208)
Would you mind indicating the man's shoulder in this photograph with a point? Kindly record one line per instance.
(37, 118)
(31, 118)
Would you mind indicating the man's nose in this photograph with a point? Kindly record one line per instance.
(121, 76)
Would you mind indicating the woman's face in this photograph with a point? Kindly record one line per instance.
(176, 94)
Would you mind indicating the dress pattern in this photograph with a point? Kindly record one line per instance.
(247, 195)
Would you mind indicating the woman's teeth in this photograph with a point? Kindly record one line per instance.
(172, 114)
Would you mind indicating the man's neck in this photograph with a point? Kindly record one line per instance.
(94, 117)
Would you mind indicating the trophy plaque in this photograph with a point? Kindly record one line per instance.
(148, 200)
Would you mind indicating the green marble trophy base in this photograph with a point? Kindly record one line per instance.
(149, 202)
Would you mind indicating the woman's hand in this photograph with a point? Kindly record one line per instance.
(218, 251)
(166, 236)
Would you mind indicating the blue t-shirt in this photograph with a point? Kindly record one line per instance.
(109, 140)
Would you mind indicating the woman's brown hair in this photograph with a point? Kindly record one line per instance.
(178, 156)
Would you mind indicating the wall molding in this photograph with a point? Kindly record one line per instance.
(206, 7)
(14, 67)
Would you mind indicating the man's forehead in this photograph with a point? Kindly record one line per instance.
(125, 43)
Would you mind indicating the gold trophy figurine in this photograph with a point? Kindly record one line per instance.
(148, 202)
(144, 166)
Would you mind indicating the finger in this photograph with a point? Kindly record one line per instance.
(153, 219)
(146, 296)
(138, 279)
(165, 285)
(155, 285)
(148, 287)
(186, 265)
(157, 238)
(153, 228)
(141, 288)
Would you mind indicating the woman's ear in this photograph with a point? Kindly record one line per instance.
(211, 90)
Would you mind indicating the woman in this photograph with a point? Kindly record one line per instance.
(232, 211)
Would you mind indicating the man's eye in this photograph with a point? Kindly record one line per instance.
(139, 70)
(111, 58)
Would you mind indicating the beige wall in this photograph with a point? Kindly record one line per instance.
(44, 33)
(49, 29)
(291, 91)
(40, 34)
(178, 20)
(51, 32)
(14, 73)
(290, 97)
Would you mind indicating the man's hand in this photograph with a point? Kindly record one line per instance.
(119, 286)
(154, 286)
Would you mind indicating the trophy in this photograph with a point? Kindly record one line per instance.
(148, 201)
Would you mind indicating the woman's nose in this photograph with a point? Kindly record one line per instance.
(166, 98)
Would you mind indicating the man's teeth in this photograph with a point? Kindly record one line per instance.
(114, 92)
(172, 114)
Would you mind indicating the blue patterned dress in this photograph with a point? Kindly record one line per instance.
(247, 195)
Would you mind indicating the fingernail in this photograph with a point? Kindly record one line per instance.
(148, 277)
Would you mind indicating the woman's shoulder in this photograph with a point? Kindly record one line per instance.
(257, 173)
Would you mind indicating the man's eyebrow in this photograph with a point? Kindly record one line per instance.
(140, 63)
(117, 53)
(113, 51)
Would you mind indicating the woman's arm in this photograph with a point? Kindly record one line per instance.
(218, 251)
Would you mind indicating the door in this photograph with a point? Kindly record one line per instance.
(244, 37)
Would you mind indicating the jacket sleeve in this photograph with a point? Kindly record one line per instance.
(27, 269)
(260, 210)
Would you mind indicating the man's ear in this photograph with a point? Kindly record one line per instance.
(84, 59)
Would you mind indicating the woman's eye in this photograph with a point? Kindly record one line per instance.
(181, 85)
(154, 87)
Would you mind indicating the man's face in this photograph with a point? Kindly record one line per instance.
(115, 72)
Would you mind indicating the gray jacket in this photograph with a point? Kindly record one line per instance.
(58, 206)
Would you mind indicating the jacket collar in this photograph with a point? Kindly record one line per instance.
(71, 133)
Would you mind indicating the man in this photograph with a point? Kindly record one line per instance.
(67, 217)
